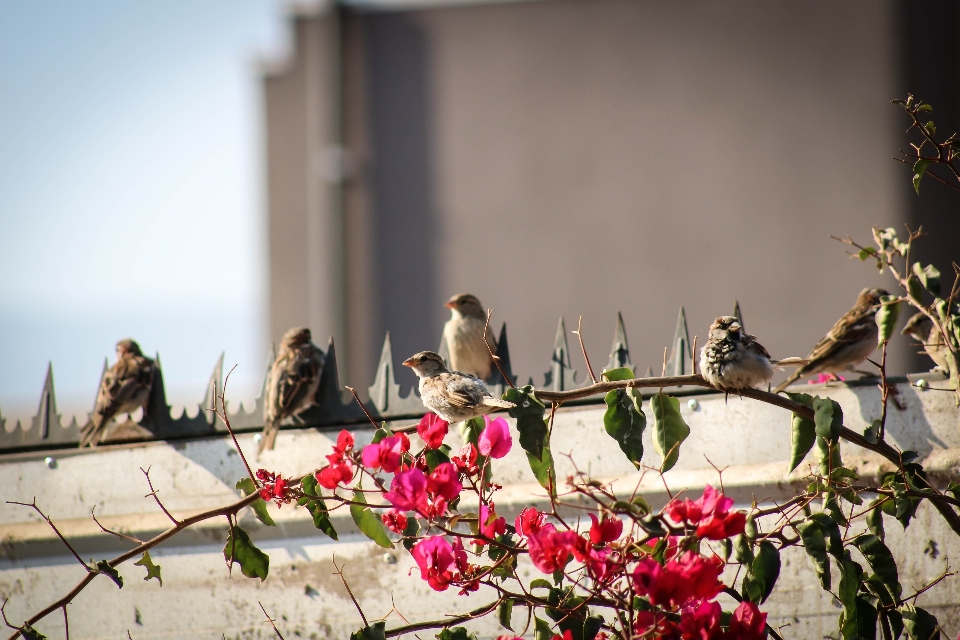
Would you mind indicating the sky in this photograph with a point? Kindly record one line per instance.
(132, 192)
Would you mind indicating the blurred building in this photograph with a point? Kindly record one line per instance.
(579, 158)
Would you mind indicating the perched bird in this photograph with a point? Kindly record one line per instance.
(292, 382)
(125, 388)
(464, 335)
(921, 328)
(452, 395)
(732, 359)
(849, 342)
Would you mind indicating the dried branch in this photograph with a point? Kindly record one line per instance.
(153, 492)
(586, 358)
(226, 421)
(270, 620)
(33, 505)
(339, 572)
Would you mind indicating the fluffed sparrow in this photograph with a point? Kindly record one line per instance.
(464, 335)
(292, 382)
(849, 342)
(125, 388)
(452, 395)
(732, 359)
(921, 328)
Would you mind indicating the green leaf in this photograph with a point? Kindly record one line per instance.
(929, 277)
(456, 633)
(766, 568)
(381, 433)
(669, 429)
(816, 545)
(544, 471)
(914, 288)
(591, 627)
(376, 631)
(504, 613)
(828, 417)
(153, 570)
(652, 525)
(930, 128)
(880, 559)
(802, 431)
(836, 512)
(541, 630)
(259, 506)
(919, 623)
(30, 633)
(874, 518)
(620, 373)
(866, 252)
(887, 316)
(625, 421)
(540, 583)
(859, 621)
(743, 551)
(875, 585)
(851, 575)
(918, 170)
(828, 456)
(435, 457)
(470, 430)
(368, 522)
(925, 107)
(528, 413)
(895, 620)
(315, 506)
(832, 532)
(103, 567)
(253, 562)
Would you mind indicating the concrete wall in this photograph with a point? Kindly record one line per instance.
(199, 600)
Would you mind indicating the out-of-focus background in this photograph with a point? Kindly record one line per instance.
(202, 176)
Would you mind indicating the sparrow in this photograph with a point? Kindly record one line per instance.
(732, 359)
(292, 382)
(849, 342)
(921, 328)
(452, 395)
(464, 335)
(125, 388)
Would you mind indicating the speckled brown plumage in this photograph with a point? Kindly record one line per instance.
(452, 395)
(292, 383)
(125, 388)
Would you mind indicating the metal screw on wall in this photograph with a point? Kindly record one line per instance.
(923, 384)
(389, 558)
(693, 404)
(50, 462)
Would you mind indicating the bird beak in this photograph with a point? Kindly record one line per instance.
(735, 326)
(450, 304)
(408, 362)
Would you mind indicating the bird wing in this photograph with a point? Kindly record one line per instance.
(295, 377)
(751, 341)
(124, 382)
(855, 326)
(463, 390)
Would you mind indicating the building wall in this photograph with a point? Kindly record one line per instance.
(580, 158)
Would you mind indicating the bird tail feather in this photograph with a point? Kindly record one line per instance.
(269, 439)
(498, 403)
(791, 362)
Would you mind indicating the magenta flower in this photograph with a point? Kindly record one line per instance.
(606, 531)
(408, 491)
(495, 440)
(710, 513)
(443, 482)
(432, 430)
(386, 454)
(434, 555)
(550, 549)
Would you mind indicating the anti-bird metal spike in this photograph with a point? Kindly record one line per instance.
(385, 387)
(47, 415)
(156, 413)
(214, 391)
(619, 352)
(561, 376)
(738, 315)
(503, 356)
(680, 350)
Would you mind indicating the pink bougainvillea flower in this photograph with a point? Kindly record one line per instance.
(747, 623)
(466, 460)
(551, 549)
(434, 555)
(443, 482)
(530, 521)
(710, 513)
(600, 564)
(432, 430)
(495, 440)
(606, 531)
(653, 624)
(395, 520)
(701, 621)
(823, 378)
(567, 635)
(490, 524)
(691, 577)
(334, 474)
(408, 491)
(386, 454)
